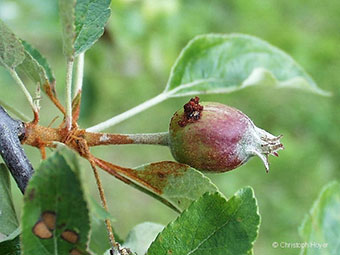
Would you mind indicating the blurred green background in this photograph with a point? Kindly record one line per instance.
(131, 64)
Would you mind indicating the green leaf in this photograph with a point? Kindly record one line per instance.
(91, 17)
(8, 218)
(67, 17)
(141, 236)
(11, 244)
(212, 226)
(35, 67)
(99, 241)
(32, 69)
(175, 183)
(322, 224)
(224, 63)
(41, 61)
(55, 216)
(12, 52)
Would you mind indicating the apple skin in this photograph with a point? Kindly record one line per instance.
(214, 137)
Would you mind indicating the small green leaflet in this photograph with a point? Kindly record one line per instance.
(35, 67)
(8, 218)
(12, 52)
(91, 18)
(9, 245)
(322, 224)
(32, 69)
(217, 63)
(41, 60)
(212, 225)
(141, 236)
(55, 214)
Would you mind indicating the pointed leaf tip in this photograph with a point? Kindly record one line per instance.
(217, 63)
(91, 17)
(12, 52)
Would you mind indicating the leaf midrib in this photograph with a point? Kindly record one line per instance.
(209, 236)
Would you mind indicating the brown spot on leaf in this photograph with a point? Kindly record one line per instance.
(70, 236)
(49, 218)
(192, 112)
(75, 251)
(161, 175)
(41, 230)
(169, 251)
(156, 175)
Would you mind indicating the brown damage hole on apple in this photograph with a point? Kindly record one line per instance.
(70, 236)
(192, 112)
(45, 225)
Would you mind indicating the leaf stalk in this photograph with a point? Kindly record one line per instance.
(22, 86)
(128, 114)
(68, 117)
(79, 74)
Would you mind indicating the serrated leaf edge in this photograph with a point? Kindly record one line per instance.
(221, 195)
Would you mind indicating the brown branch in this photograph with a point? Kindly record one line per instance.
(49, 135)
(95, 139)
(104, 203)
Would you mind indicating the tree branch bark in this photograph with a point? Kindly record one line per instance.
(11, 150)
